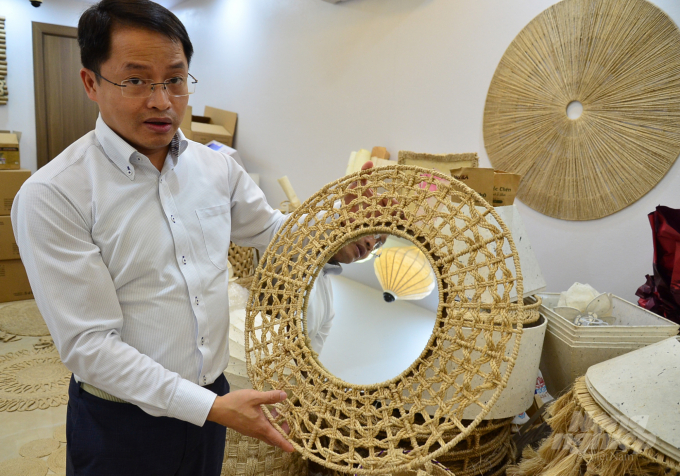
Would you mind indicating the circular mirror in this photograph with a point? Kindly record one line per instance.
(355, 427)
(372, 309)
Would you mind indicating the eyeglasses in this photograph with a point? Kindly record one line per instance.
(377, 242)
(143, 88)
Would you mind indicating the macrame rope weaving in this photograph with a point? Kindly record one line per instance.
(620, 59)
(360, 428)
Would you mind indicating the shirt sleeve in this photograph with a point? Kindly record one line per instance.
(77, 298)
(253, 222)
(328, 315)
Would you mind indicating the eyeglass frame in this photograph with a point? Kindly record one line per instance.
(153, 87)
(378, 243)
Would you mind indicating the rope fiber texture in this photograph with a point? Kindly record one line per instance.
(587, 440)
(620, 59)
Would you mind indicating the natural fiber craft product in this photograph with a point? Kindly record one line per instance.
(357, 428)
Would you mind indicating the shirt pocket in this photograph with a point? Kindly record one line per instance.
(216, 227)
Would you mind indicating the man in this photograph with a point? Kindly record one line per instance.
(125, 238)
(320, 309)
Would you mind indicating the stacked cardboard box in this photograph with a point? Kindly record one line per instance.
(215, 124)
(9, 150)
(14, 284)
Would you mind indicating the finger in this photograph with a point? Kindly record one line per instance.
(274, 438)
(284, 425)
(271, 397)
(367, 165)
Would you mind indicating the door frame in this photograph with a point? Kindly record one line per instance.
(39, 31)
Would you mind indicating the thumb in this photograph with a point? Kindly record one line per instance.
(367, 165)
(272, 396)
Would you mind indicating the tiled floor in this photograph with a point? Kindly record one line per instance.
(19, 428)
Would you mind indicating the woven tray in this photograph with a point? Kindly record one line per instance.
(358, 428)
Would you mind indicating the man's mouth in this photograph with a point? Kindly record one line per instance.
(159, 124)
(361, 250)
(159, 121)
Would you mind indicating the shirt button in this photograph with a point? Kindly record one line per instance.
(184, 260)
(197, 300)
(202, 340)
(205, 380)
(172, 217)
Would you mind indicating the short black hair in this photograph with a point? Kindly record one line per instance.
(96, 24)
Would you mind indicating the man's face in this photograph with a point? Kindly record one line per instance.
(358, 250)
(148, 124)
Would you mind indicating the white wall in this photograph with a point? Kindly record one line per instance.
(313, 81)
(19, 113)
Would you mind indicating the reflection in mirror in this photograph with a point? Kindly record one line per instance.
(372, 309)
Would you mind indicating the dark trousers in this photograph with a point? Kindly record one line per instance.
(119, 439)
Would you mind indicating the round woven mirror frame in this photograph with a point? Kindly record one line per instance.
(468, 359)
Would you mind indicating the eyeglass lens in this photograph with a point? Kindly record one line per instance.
(141, 88)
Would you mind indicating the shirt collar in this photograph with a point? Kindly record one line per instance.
(121, 153)
(332, 269)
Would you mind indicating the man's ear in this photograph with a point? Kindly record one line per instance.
(90, 83)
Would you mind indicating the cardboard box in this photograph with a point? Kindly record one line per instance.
(8, 245)
(9, 151)
(215, 124)
(14, 284)
(10, 183)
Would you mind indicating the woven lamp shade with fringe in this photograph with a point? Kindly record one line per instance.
(587, 440)
(358, 429)
(620, 60)
(404, 273)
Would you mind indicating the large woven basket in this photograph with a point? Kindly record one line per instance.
(246, 456)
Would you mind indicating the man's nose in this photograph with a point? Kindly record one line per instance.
(159, 98)
(370, 242)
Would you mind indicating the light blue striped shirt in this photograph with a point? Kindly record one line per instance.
(129, 266)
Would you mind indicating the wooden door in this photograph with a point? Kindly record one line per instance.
(63, 112)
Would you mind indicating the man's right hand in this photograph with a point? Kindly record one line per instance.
(241, 411)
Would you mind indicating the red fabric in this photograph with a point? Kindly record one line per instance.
(661, 292)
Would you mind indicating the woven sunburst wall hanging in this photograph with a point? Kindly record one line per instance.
(361, 429)
(618, 59)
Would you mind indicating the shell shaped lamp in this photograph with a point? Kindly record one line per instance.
(404, 273)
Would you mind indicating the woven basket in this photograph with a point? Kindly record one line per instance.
(358, 428)
(246, 456)
(530, 309)
(242, 260)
